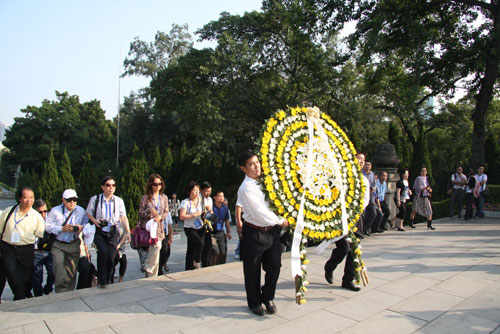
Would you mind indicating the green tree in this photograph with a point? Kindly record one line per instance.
(50, 186)
(147, 59)
(492, 158)
(442, 43)
(56, 125)
(134, 183)
(421, 158)
(167, 162)
(67, 180)
(156, 162)
(88, 183)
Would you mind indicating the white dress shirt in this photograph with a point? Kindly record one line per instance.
(366, 200)
(111, 210)
(253, 203)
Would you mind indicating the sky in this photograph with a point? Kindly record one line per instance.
(79, 46)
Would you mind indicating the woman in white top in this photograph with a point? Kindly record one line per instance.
(191, 212)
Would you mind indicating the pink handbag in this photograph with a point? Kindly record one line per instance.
(142, 238)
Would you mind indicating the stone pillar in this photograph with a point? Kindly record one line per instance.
(386, 159)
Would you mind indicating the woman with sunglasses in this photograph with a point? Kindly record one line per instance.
(154, 206)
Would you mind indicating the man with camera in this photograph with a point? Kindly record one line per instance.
(66, 222)
(107, 212)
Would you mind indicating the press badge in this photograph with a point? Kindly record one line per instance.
(197, 223)
(15, 237)
(219, 226)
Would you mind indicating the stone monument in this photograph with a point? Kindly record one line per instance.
(386, 159)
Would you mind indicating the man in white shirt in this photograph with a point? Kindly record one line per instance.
(66, 222)
(481, 179)
(107, 211)
(260, 245)
(459, 181)
(342, 249)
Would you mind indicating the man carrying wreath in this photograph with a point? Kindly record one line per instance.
(260, 244)
(343, 245)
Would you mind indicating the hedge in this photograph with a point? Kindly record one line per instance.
(494, 193)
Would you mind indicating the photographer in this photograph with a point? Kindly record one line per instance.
(107, 211)
(66, 222)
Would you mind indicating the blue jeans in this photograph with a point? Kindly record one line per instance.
(237, 250)
(479, 206)
(43, 259)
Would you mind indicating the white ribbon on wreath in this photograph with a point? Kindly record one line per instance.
(313, 122)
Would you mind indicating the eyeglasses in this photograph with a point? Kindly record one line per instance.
(109, 185)
(72, 199)
(156, 184)
(43, 211)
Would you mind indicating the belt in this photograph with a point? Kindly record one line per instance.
(64, 242)
(260, 228)
(17, 246)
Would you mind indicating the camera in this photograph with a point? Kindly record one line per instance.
(76, 229)
(103, 222)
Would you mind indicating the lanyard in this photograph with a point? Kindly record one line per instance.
(108, 213)
(219, 214)
(157, 204)
(18, 221)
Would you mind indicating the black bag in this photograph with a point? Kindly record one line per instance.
(45, 243)
(92, 278)
(485, 193)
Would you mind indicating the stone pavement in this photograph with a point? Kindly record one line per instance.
(442, 281)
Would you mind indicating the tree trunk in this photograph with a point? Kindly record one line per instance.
(486, 92)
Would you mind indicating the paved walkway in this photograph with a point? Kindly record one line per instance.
(442, 281)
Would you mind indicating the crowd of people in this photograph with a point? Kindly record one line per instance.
(32, 238)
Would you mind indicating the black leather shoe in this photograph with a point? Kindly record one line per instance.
(258, 310)
(350, 286)
(329, 276)
(270, 307)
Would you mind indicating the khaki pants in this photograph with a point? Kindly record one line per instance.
(152, 263)
(65, 257)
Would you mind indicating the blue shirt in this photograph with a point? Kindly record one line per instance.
(381, 190)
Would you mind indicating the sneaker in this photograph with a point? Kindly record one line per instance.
(236, 256)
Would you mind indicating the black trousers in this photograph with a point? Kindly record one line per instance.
(164, 254)
(457, 199)
(83, 273)
(258, 250)
(123, 265)
(195, 244)
(106, 253)
(338, 254)
(18, 263)
(369, 215)
(469, 199)
(205, 252)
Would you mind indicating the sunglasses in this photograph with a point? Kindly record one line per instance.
(72, 199)
(43, 211)
(156, 184)
(110, 185)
